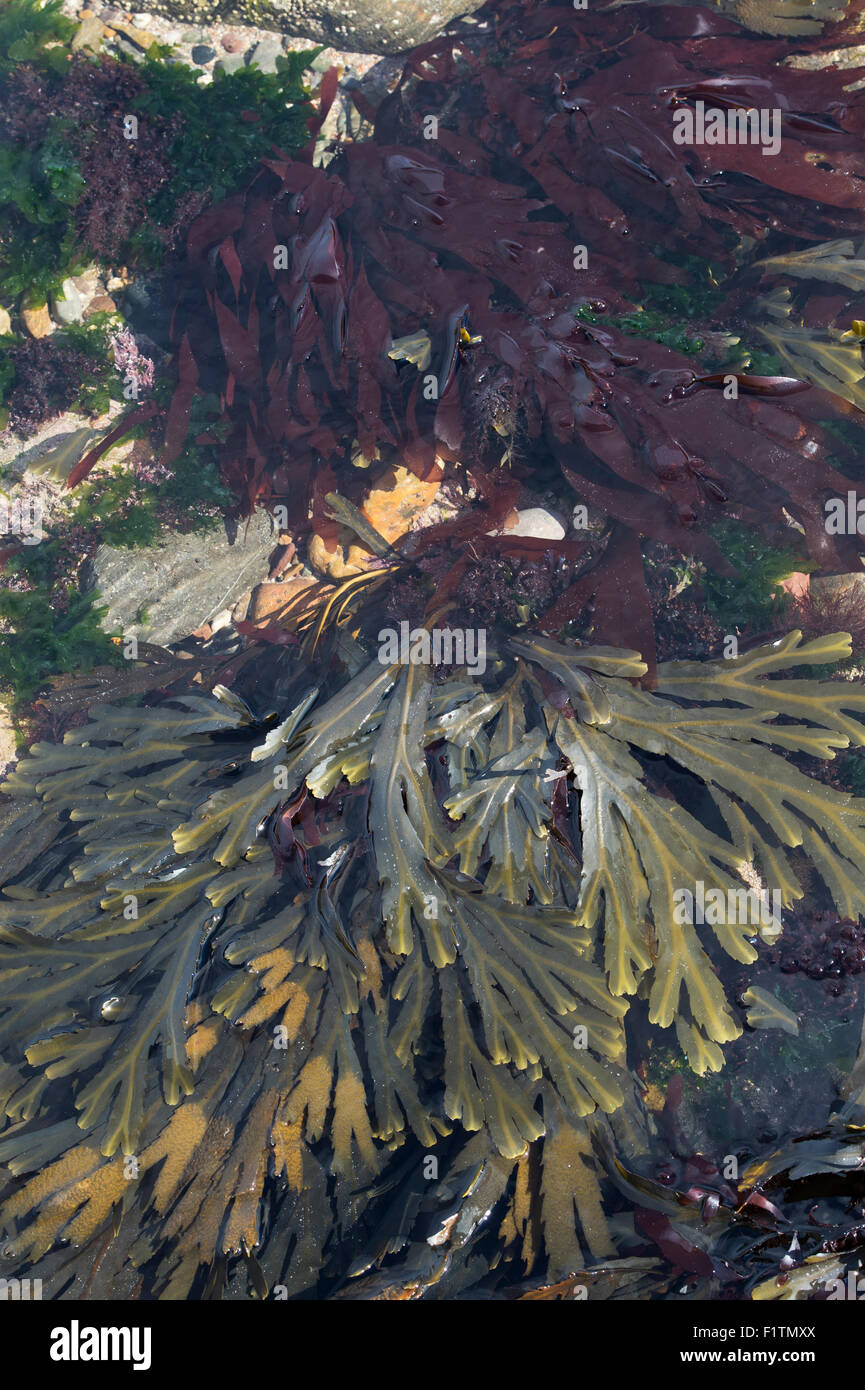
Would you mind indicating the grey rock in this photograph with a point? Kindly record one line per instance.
(357, 26)
(232, 62)
(180, 583)
(265, 54)
(69, 309)
(202, 53)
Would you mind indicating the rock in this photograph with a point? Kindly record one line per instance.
(110, 14)
(797, 585)
(232, 62)
(90, 33)
(87, 282)
(145, 309)
(100, 304)
(180, 584)
(69, 308)
(202, 53)
(333, 563)
(832, 588)
(8, 749)
(5, 322)
(37, 321)
(290, 599)
(233, 43)
(532, 521)
(140, 39)
(265, 54)
(397, 499)
(359, 26)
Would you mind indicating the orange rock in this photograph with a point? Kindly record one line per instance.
(334, 563)
(797, 585)
(37, 320)
(287, 602)
(397, 499)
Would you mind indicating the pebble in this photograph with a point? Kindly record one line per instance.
(90, 33)
(230, 63)
(265, 54)
(37, 321)
(70, 308)
(202, 54)
(534, 521)
(141, 38)
(5, 322)
(101, 304)
(110, 14)
(233, 43)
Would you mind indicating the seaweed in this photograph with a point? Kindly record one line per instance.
(370, 306)
(152, 954)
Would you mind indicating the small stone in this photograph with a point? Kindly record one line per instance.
(5, 322)
(37, 321)
(86, 14)
(533, 521)
(233, 43)
(100, 304)
(90, 34)
(191, 36)
(139, 38)
(202, 53)
(397, 499)
(265, 54)
(797, 585)
(70, 307)
(110, 14)
(287, 600)
(835, 588)
(324, 61)
(87, 283)
(232, 62)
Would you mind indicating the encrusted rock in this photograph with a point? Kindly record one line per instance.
(164, 592)
(360, 26)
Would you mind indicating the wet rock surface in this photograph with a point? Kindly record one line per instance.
(163, 593)
(367, 26)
